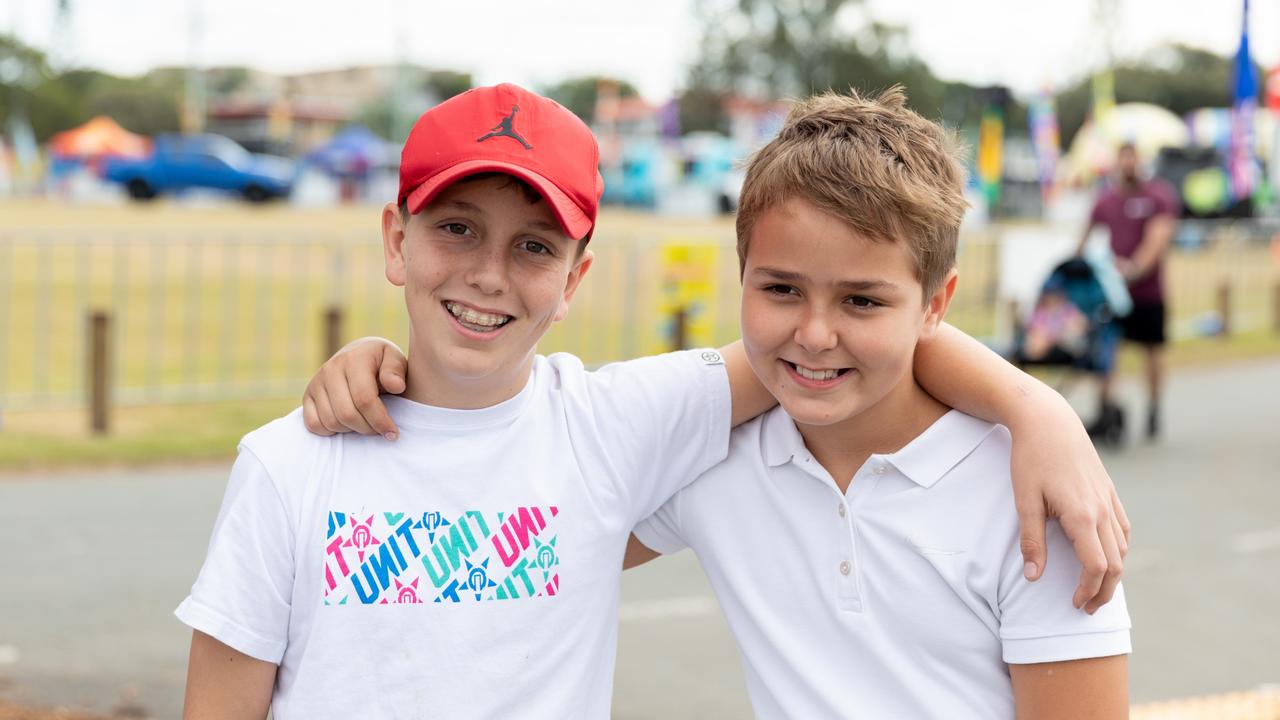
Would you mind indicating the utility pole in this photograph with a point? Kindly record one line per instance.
(61, 52)
(193, 106)
(400, 119)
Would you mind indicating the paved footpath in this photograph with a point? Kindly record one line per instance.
(96, 562)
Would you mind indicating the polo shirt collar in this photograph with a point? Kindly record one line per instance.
(940, 447)
(924, 460)
(782, 440)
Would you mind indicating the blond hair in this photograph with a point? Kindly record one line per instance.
(887, 172)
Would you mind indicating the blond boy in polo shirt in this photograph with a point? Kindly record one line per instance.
(862, 537)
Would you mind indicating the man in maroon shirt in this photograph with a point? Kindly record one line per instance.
(1141, 215)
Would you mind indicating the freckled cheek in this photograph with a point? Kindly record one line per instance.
(765, 328)
(421, 274)
(866, 342)
(884, 346)
(541, 295)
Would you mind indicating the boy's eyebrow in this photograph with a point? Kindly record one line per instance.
(535, 225)
(543, 225)
(853, 285)
(463, 205)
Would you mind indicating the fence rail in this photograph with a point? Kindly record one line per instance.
(210, 315)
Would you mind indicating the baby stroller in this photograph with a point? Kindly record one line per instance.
(1073, 327)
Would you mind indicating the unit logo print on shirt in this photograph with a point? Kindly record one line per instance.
(398, 558)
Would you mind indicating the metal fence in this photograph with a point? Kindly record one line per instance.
(202, 315)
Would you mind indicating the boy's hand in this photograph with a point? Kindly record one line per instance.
(343, 394)
(1057, 472)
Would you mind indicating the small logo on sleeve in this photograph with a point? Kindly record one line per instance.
(711, 357)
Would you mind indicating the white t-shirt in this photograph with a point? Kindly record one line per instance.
(903, 598)
(470, 569)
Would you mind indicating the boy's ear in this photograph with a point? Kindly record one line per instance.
(936, 307)
(580, 268)
(393, 232)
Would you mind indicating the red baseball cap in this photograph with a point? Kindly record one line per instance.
(506, 129)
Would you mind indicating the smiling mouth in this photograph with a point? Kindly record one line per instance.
(476, 320)
(816, 375)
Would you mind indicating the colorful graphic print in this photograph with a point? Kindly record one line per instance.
(389, 558)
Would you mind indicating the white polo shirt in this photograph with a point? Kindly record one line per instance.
(903, 598)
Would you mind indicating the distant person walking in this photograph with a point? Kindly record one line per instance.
(1141, 214)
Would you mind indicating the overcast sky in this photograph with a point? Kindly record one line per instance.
(1021, 43)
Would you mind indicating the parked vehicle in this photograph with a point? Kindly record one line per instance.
(181, 162)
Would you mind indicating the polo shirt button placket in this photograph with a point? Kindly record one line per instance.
(848, 599)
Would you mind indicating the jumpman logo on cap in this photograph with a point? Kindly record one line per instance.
(504, 129)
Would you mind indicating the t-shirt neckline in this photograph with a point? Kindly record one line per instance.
(407, 413)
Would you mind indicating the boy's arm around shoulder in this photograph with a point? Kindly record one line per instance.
(344, 394)
(748, 395)
(657, 422)
(1064, 663)
(1056, 470)
(224, 683)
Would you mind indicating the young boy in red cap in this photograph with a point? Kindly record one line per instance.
(471, 568)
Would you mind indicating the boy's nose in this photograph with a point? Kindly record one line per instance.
(489, 272)
(816, 333)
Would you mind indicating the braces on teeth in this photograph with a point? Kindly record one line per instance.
(472, 317)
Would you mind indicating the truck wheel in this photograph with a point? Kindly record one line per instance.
(140, 190)
(256, 194)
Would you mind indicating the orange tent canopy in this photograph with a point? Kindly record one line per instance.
(99, 137)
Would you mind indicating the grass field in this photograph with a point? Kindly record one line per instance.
(225, 303)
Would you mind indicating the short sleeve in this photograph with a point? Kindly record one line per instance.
(661, 531)
(664, 420)
(242, 595)
(1039, 624)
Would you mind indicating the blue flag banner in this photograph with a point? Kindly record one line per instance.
(1043, 117)
(1240, 161)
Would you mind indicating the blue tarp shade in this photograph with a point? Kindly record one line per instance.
(352, 152)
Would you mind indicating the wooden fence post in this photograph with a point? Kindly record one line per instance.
(99, 372)
(332, 331)
(1015, 320)
(680, 332)
(1275, 308)
(1224, 307)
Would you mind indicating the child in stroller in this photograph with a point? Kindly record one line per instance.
(1072, 326)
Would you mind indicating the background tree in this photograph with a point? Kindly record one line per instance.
(53, 102)
(1178, 77)
(793, 48)
(424, 88)
(579, 94)
(444, 84)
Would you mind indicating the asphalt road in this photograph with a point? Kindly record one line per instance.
(96, 562)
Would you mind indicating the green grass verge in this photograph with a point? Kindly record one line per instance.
(209, 432)
(140, 435)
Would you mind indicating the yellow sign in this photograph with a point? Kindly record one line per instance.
(689, 272)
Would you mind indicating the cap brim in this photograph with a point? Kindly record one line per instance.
(571, 217)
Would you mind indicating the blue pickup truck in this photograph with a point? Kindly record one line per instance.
(180, 162)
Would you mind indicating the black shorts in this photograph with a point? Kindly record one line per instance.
(1145, 324)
